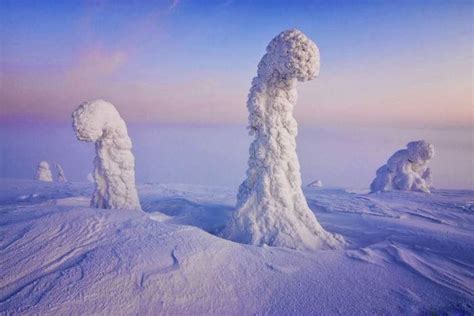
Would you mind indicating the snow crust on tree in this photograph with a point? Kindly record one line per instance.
(43, 173)
(316, 184)
(114, 165)
(271, 207)
(60, 171)
(407, 169)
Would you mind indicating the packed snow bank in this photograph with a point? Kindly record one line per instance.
(410, 254)
(114, 165)
(60, 171)
(271, 207)
(316, 184)
(43, 173)
(407, 169)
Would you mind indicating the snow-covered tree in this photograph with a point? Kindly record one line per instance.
(60, 171)
(43, 173)
(114, 165)
(407, 169)
(271, 207)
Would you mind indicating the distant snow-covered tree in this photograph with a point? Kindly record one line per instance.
(60, 171)
(114, 165)
(43, 173)
(407, 169)
(271, 207)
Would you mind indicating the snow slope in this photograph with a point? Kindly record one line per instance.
(407, 253)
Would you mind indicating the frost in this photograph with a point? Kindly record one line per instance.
(407, 169)
(114, 165)
(43, 173)
(316, 184)
(60, 171)
(271, 207)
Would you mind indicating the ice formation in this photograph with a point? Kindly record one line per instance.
(271, 207)
(114, 165)
(407, 169)
(316, 184)
(43, 173)
(60, 171)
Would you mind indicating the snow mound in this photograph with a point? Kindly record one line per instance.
(43, 173)
(272, 209)
(114, 165)
(406, 169)
(316, 184)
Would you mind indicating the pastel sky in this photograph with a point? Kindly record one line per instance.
(382, 63)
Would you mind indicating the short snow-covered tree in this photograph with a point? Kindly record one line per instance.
(271, 207)
(60, 171)
(407, 169)
(43, 173)
(114, 165)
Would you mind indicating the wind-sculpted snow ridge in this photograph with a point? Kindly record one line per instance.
(60, 171)
(271, 207)
(43, 173)
(114, 165)
(407, 170)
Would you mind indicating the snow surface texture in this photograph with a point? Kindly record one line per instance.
(60, 171)
(114, 165)
(272, 209)
(43, 173)
(409, 254)
(316, 184)
(407, 170)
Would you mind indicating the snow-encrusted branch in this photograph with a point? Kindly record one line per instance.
(43, 173)
(114, 165)
(407, 169)
(272, 209)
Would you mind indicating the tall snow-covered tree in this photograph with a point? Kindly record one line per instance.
(271, 207)
(114, 165)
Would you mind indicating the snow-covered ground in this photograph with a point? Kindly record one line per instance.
(407, 252)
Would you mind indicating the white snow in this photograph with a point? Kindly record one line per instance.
(316, 184)
(114, 165)
(43, 173)
(271, 207)
(407, 169)
(60, 171)
(408, 253)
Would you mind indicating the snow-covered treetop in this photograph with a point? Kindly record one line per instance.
(92, 118)
(293, 55)
(420, 151)
(43, 165)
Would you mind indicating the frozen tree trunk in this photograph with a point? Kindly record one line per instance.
(407, 170)
(114, 165)
(60, 171)
(43, 173)
(271, 207)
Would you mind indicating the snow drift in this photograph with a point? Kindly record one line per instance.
(272, 209)
(316, 184)
(60, 171)
(43, 173)
(407, 169)
(114, 165)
